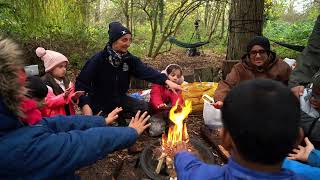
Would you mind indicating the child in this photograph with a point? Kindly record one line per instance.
(310, 106)
(258, 62)
(161, 98)
(34, 100)
(260, 127)
(61, 96)
(58, 146)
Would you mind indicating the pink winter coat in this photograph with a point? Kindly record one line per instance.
(55, 104)
(161, 94)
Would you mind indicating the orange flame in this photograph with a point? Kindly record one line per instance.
(178, 132)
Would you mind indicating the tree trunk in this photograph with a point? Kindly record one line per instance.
(97, 15)
(245, 22)
(131, 19)
(206, 14)
(223, 20)
(154, 29)
(215, 20)
(126, 13)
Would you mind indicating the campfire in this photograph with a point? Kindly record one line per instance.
(177, 134)
(157, 158)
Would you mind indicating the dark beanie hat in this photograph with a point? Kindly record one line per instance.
(259, 40)
(116, 31)
(36, 87)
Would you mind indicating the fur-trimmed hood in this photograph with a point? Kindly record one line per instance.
(11, 64)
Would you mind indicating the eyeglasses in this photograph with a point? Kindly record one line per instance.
(254, 53)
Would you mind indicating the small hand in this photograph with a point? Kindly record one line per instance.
(86, 110)
(218, 104)
(302, 153)
(113, 115)
(67, 92)
(297, 91)
(77, 94)
(139, 123)
(162, 106)
(181, 146)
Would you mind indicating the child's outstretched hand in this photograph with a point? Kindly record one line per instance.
(181, 146)
(302, 153)
(163, 106)
(139, 123)
(113, 115)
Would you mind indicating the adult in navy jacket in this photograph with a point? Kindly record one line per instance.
(55, 147)
(106, 76)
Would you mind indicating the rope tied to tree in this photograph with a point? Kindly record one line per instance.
(244, 25)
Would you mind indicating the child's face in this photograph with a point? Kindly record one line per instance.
(258, 56)
(60, 70)
(175, 75)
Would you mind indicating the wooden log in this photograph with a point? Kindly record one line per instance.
(189, 78)
(215, 142)
(207, 74)
(227, 66)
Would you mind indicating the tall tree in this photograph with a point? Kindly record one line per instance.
(245, 22)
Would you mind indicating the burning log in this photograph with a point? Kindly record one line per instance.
(160, 159)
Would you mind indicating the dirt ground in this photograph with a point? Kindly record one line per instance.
(127, 165)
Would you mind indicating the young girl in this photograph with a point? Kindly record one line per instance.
(61, 96)
(162, 98)
(33, 101)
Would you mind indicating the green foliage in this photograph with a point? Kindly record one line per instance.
(296, 33)
(68, 26)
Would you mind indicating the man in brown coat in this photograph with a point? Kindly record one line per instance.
(258, 62)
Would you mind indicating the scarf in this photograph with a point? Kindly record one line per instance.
(114, 58)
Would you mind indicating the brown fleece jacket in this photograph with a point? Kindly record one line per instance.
(276, 69)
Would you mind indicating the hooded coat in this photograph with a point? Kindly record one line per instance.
(55, 147)
(275, 69)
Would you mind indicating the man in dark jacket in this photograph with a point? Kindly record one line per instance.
(106, 76)
(55, 147)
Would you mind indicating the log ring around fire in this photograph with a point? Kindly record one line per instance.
(149, 163)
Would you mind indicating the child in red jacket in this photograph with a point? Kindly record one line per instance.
(33, 101)
(162, 98)
(61, 95)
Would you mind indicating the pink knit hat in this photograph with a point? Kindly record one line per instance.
(50, 58)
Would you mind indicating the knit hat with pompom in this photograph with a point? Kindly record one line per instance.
(50, 58)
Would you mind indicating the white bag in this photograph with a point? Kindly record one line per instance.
(211, 115)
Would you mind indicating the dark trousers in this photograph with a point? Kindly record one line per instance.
(130, 107)
(311, 128)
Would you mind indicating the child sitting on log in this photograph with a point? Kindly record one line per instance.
(260, 127)
(310, 106)
(162, 98)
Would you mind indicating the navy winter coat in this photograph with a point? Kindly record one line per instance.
(105, 84)
(57, 146)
